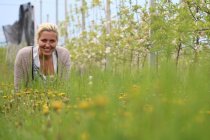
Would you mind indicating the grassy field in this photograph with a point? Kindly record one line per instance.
(172, 103)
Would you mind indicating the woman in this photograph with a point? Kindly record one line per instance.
(42, 61)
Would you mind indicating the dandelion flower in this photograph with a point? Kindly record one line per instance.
(57, 105)
(45, 109)
(101, 101)
(148, 108)
(84, 136)
(61, 94)
(84, 105)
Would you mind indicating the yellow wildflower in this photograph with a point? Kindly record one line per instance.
(5, 97)
(27, 92)
(101, 101)
(208, 112)
(200, 118)
(85, 136)
(36, 91)
(135, 89)
(61, 94)
(148, 108)
(18, 94)
(50, 93)
(123, 96)
(57, 105)
(45, 109)
(180, 101)
(84, 105)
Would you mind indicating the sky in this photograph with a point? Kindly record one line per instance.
(9, 11)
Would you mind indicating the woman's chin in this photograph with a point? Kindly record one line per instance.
(47, 53)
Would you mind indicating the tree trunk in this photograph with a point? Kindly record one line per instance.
(108, 17)
(83, 14)
(152, 55)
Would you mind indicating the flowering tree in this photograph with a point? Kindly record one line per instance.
(171, 30)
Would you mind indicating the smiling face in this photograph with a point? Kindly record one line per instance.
(47, 43)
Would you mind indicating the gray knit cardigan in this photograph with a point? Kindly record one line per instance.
(23, 65)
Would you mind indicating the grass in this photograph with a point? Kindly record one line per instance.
(171, 103)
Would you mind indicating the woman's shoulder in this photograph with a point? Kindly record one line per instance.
(25, 50)
(23, 53)
(62, 50)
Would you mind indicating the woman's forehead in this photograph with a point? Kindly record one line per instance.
(48, 34)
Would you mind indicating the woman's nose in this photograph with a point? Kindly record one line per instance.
(47, 43)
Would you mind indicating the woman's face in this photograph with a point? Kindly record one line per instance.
(47, 43)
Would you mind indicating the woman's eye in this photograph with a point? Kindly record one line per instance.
(44, 40)
(52, 41)
(48, 41)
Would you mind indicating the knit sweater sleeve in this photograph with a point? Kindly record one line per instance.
(64, 59)
(20, 67)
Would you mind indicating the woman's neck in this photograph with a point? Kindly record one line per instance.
(46, 65)
(45, 57)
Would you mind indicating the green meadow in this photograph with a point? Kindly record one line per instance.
(144, 74)
(166, 103)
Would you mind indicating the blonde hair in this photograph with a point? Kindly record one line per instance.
(46, 27)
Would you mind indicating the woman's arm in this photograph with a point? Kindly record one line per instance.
(18, 70)
(67, 65)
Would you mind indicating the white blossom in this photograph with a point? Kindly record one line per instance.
(108, 49)
(90, 77)
(103, 61)
(90, 83)
(197, 15)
